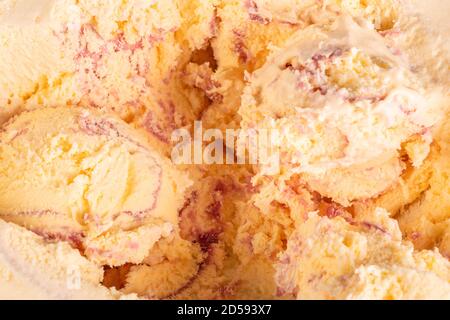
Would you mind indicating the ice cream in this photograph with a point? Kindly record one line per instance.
(344, 102)
(264, 223)
(420, 198)
(300, 99)
(426, 221)
(86, 177)
(353, 93)
(248, 30)
(344, 258)
(199, 266)
(31, 268)
(117, 55)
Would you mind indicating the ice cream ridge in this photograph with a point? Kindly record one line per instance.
(85, 179)
(351, 98)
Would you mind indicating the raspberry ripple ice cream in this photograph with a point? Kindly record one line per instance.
(364, 258)
(31, 268)
(90, 206)
(247, 30)
(345, 103)
(78, 175)
(122, 56)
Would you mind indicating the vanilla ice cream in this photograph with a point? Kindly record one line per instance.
(349, 100)
(31, 268)
(79, 175)
(117, 55)
(248, 30)
(343, 258)
(343, 102)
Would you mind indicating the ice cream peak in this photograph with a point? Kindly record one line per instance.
(342, 99)
(79, 175)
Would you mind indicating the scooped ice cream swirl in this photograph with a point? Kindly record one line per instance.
(79, 175)
(342, 99)
(364, 258)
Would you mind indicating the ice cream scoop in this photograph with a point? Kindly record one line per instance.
(117, 55)
(89, 178)
(247, 31)
(31, 268)
(344, 258)
(343, 102)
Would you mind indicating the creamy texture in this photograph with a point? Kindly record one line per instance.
(426, 221)
(381, 13)
(264, 223)
(123, 56)
(31, 268)
(342, 100)
(424, 36)
(79, 175)
(419, 200)
(90, 92)
(247, 31)
(343, 258)
(434, 16)
(200, 266)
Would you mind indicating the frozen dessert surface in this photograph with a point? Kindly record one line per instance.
(344, 102)
(344, 258)
(353, 93)
(426, 221)
(199, 265)
(248, 30)
(123, 56)
(79, 175)
(31, 268)
(264, 223)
